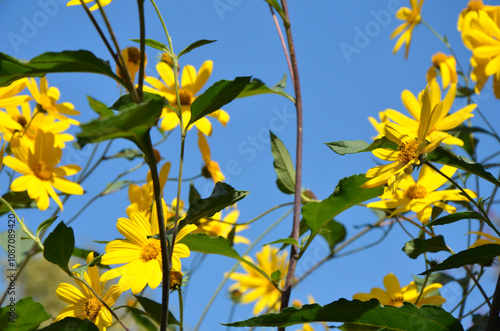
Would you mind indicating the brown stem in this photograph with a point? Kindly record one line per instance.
(493, 319)
(283, 44)
(285, 297)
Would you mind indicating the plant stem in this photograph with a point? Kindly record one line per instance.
(283, 44)
(21, 224)
(181, 310)
(142, 65)
(493, 319)
(285, 297)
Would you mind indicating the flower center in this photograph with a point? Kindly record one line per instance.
(21, 120)
(407, 151)
(151, 250)
(397, 301)
(415, 17)
(185, 96)
(438, 58)
(175, 279)
(43, 171)
(416, 192)
(475, 5)
(134, 55)
(91, 308)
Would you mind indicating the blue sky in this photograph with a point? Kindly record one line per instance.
(347, 72)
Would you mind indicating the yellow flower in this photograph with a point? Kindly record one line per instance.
(9, 97)
(447, 67)
(27, 125)
(475, 10)
(83, 303)
(443, 120)
(192, 83)
(483, 38)
(132, 58)
(40, 172)
(140, 254)
(211, 167)
(218, 226)
(410, 146)
(379, 126)
(412, 18)
(46, 98)
(489, 239)
(142, 197)
(255, 286)
(94, 7)
(420, 196)
(394, 295)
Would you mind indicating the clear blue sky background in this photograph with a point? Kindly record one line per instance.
(340, 90)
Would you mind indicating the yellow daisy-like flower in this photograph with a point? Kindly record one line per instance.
(9, 94)
(140, 254)
(394, 295)
(420, 196)
(218, 226)
(443, 121)
(211, 168)
(27, 125)
(488, 239)
(94, 7)
(191, 84)
(483, 38)
(410, 147)
(379, 126)
(412, 18)
(255, 286)
(83, 303)
(447, 67)
(476, 9)
(132, 58)
(142, 197)
(40, 171)
(46, 98)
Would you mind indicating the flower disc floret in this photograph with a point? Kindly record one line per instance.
(151, 250)
(407, 151)
(91, 308)
(416, 191)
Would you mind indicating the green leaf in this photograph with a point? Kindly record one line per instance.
(59, 246)
(194, 195)
(22, 315)
(359, 315)
(154, 44)
(347, 194)
(128, 153)
(216, 96)
(153, 309)
(283, 165)
(417, 246)
(456, 217)
(480, 255)
(45, 224)
(334, 233)
(18, 200)
(73, 324)
(222, 196)
(132, 122)
(344, 147)
(203, 243)
(444, 155)
(275, 5)
(256, 87)
(12, 69)
(83, 268)
(276, 276)
(288, 241)
(194, 45)
(463, 91)
(436, 277)
(145, 323)
(99, 107)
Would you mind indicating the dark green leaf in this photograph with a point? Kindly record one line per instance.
(436, 277)
(289, 241)
(153, 309)
(99, 107)
(359, 315)
(257, 87)
(83, 253)
(216, 96)
(194, 195)
(129, 154)
(346, 195)
(479, 255)
(18, 200)
(417, 246)
(334, 233)
(12, 69)
(456, 217)
(283, 165)
(45, 224)
(444, 155)
(194, 45)
(222, 196)
(145, 323)
(132, 122)
(463, 91)
(22, 315)
(73, 324)
(479, 322)
(344, 147)
(154, 44)
(203, 243)
(59, 246)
